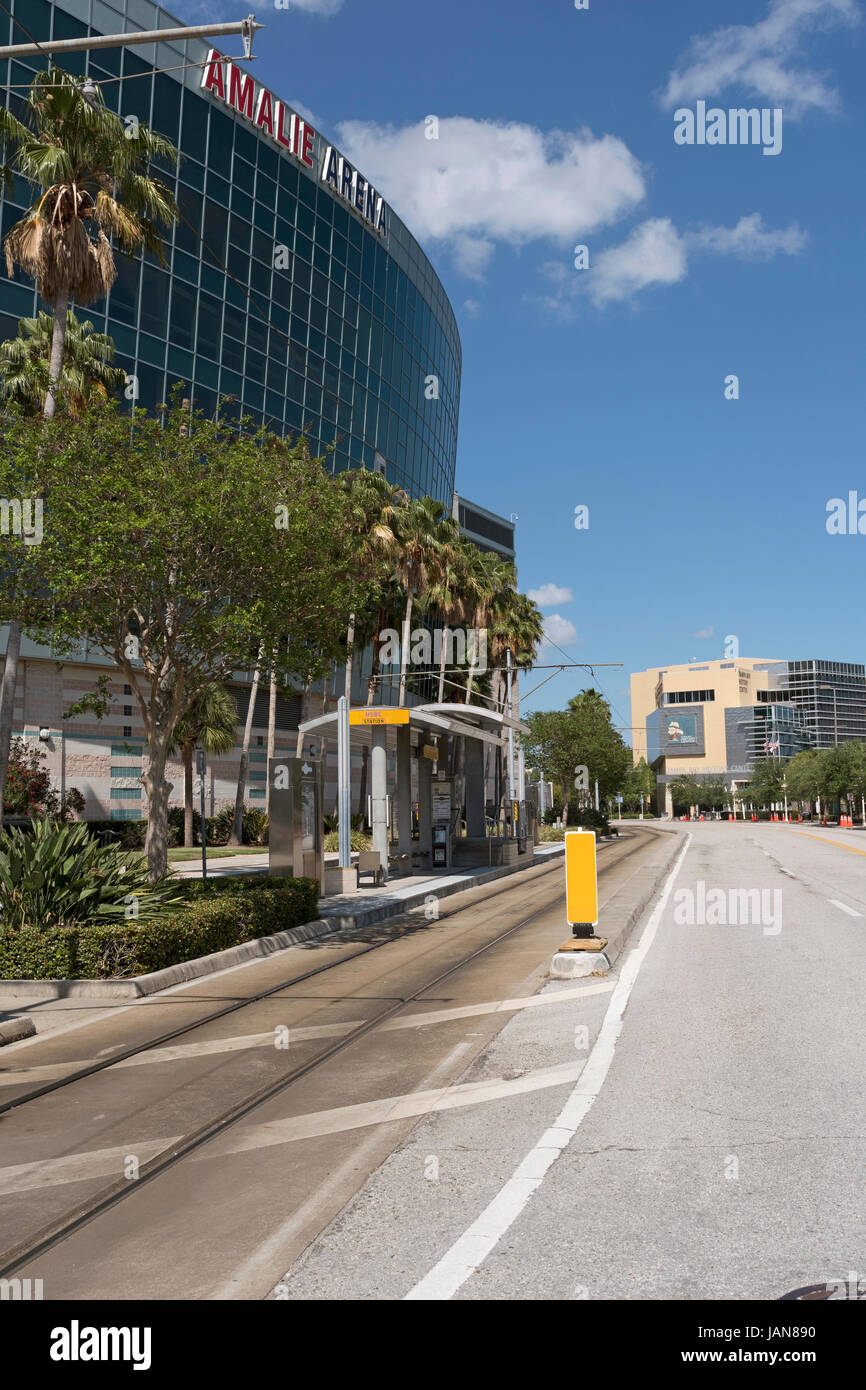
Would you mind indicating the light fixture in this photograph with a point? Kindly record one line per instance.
(44, 735)
(89, 89)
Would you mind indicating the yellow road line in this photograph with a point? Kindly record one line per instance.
(825, 841)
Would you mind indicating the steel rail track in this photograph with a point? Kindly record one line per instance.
(76, 1218)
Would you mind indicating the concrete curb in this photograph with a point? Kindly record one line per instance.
(14, 1029)
(620, 916)
(202, 966)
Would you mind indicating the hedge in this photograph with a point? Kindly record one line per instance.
(219, 920)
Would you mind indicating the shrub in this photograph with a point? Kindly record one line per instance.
(126, 834)
(59, 875)
(216, 919)
(357, 840)
(29, 791)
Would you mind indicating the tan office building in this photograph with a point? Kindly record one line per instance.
(696, 718)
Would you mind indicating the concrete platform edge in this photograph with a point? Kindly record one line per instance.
(202, 966)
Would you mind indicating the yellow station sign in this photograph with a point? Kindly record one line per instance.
(368, 717)
(581, 879)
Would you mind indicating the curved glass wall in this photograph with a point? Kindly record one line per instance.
(276, 294)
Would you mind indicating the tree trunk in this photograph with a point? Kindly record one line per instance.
(565, 790)
(55, 365)
(272, 728)
(404, 650)
(188, 832)
(446, 631)
(13, 646)
(237, 834)
(7, 703)
(158, 793)
(305, 714)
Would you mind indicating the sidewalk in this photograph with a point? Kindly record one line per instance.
(54, 1005)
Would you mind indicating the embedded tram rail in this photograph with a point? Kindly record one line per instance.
(422, 946)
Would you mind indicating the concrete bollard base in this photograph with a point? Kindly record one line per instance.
(573, 965)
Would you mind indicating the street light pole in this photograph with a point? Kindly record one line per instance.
(245, 27)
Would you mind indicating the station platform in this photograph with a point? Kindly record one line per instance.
(57, 1005)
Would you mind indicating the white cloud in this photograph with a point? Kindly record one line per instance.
(549, 595)
(560, 631)
(307, 114)
(322, 7)
(471, 307)
(488, 182)
(653, 254)
(703, 632)
(763, 59)
(656, 253)
(751, 239)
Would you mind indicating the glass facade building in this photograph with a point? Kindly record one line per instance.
(279, 292)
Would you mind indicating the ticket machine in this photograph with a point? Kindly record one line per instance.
(441, 819)
(295, 838)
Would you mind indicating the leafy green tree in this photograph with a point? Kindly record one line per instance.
(90, 173)
(29, 789)
(604, 752)
(639, 782)
(211, 723)
(685, 790)
(178, 547)
(86, 372)
(803, 778)
(767, 783)
(561, 741)
(553, 744)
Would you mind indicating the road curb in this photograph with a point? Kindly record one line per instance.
(263, 946)
(620, 916)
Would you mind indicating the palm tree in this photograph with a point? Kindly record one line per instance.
(518, 628)
(93, 183)
(424, 538)
(489, 576)
(210, 722)
(86, 374)
(371, 509)
(447, 596)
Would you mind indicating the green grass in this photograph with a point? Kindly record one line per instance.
(214, 852)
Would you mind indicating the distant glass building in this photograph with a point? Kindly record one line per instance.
(291, 286)
(832, 698)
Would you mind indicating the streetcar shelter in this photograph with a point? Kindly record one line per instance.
(432, 814)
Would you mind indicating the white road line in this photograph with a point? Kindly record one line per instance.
(843, 907)
(184, 1051)
(54, 1172)
(472, 1248)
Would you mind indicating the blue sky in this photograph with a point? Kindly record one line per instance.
(605, 387)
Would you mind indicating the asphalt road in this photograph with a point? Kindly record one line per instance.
(226, 1222)
(723, 1155)
(689, 1126)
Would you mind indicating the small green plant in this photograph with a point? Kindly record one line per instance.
(60, 876)
(357, 841)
